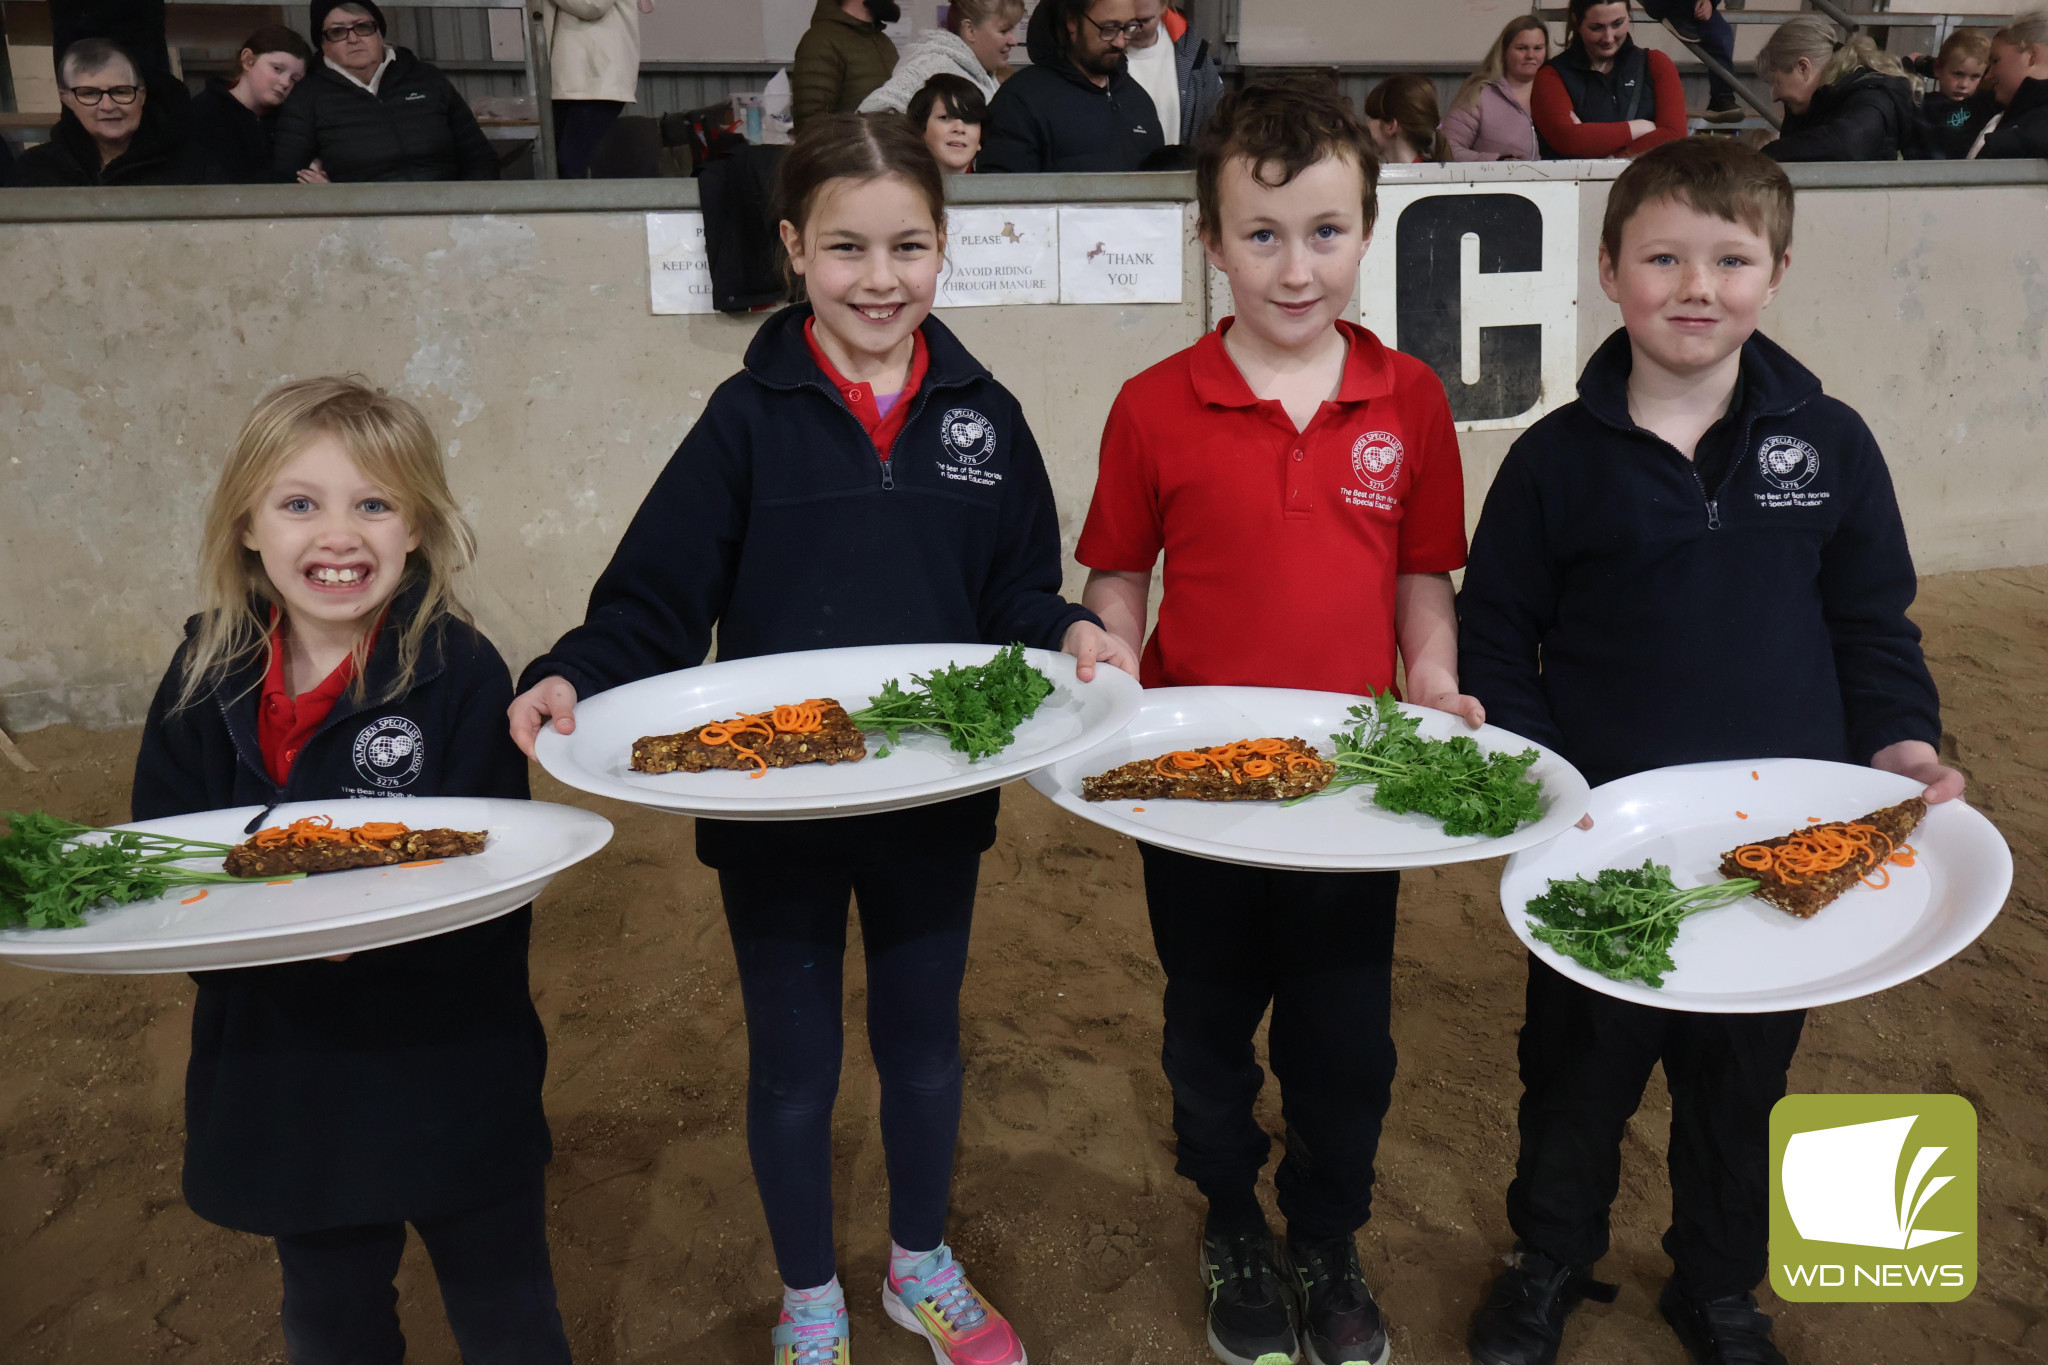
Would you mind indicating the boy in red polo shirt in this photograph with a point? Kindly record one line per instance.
(1303, 482)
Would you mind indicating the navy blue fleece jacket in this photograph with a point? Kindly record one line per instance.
(778, 525)
(1623, 613)
(403, 1083)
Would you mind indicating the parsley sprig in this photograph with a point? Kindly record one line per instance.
(49, 876)
(1622, 923)
(978, 707)
(1451, 780)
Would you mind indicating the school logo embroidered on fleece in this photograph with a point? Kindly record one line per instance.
(1376, 459)
(389, 753)
(1787, 462)
(967, 436)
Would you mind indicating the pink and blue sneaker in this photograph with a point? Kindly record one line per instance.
(932, 1297)
(815, 1335)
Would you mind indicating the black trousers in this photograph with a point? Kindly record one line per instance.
(340, 1307)
(1318, 947)
(1585, 1058)
(578, 126)
(789, 936)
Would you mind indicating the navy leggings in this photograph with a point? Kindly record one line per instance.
(789, 935)
(340, 1307)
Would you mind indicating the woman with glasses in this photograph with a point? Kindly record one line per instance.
(109, 133)
(1076, 107)
(371, 111)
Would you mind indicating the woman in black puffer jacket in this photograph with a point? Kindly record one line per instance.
(1844, 99)
(369, 111)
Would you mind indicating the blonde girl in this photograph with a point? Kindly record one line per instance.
(2018, 80)
(1489, 119)
(330, 1103)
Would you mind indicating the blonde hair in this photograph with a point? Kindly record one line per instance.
(392, 443)
(1965, 44)
(2025, 31)
(1493, 66)
(1820, 41)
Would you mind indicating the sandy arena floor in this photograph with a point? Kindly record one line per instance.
(1066, 1207)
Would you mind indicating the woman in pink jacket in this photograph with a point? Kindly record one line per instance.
(1489, 120)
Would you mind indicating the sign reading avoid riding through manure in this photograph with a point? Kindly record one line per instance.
(1000, 255)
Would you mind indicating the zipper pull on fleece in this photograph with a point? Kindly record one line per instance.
(1713, 515)
(888, 476)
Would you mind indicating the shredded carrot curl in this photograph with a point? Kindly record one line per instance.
(1253, 758)
(1823, 849)
(320, 829)
(804, 718)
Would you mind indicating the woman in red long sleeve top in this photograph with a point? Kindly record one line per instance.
(1603, 96)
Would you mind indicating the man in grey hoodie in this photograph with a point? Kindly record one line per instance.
(1177, 69)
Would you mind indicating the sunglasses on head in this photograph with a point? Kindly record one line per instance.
(361, 28)
(89, 95)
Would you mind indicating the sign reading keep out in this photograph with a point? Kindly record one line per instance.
(678, 268)
(1481, 282)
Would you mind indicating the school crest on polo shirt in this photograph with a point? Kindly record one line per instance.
(1376, 459)
(968, 441)
(389, 753)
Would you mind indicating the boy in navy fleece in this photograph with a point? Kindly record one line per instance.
(1959, 106)
(1699, 559)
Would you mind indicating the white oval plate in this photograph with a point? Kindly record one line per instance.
(1750, 957)
(256, 924)
(1338, 832)
(921, 769)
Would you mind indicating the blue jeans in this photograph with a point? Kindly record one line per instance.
(340, 1307)
(1716, 35)
(789, 935)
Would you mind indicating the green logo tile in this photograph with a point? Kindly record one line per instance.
(1873, 1198)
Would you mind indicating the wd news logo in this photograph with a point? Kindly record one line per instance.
(1873, 1198)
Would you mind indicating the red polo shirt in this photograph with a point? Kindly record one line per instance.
(882, 428)
(1281, 546)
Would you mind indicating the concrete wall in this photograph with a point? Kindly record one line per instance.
(131, 350)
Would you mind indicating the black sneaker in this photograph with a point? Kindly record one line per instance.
(1722, 108)
(1522, 1320)
(1251, 1317)
(1340, 1324)
(1724, 1331)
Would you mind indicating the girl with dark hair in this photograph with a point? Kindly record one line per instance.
(948, 113)
(830, 504)
(1603, 96)
(1401, 112)
(228, 139)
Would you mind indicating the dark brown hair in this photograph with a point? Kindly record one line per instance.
(1282, 128)
(855, 147)
(956, 96)
(1715, 176)
(276, 38)
(1575, 14)
(1409, 100)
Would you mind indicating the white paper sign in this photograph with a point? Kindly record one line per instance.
(678, 268)
(1480, 282)
(1000, 255)
(1120, 254)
